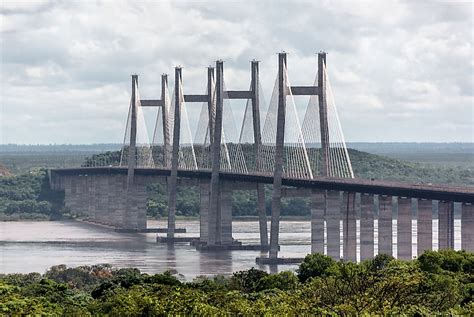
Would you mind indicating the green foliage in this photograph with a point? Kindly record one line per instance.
(248, 281)
(109, 158)
(285, 281)
(28, 196)
(315, 265)
(381, 286)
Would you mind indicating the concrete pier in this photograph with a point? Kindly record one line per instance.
(333, 215)
(317, 221)
(445, 225)
(349, 225)
(424, 225)
(404, 217)
(204, 188)
(467, 227)
(366, 226)
(385, 229)
(225, 215)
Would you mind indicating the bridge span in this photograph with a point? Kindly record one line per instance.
(101, 195)
(308, 159)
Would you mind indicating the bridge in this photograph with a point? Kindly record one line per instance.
(307, 159)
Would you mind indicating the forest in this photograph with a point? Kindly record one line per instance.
(436, 283)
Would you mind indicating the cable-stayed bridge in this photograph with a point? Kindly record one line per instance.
(307, 158)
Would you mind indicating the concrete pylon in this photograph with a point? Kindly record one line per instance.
(349, 227)
(262, 215)
(132, 157)
(204, 211)
(333, 216)
(445, 225)
(366, 226)
(318, 206)
(323, 114)
(225, 223)
(164, 117)
(404, 217)
(173, 179)
(467, 227)
(424, 226)
(385, 230)
(211, 103)
(279, 149)
(214, 210)
(132, 160)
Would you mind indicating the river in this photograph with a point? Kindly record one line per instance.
(36, 246)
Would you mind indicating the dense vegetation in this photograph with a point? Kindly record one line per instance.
(28, 196)
(436, 283)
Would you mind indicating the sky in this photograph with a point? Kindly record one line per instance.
(401, 71)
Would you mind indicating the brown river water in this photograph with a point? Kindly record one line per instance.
(35, 246)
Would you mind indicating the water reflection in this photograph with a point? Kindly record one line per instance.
(36, 246)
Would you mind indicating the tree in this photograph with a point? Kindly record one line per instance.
(315, 265)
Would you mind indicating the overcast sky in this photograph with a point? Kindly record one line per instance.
(400, 70)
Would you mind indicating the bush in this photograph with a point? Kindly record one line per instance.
(248, 281)
(315, 265)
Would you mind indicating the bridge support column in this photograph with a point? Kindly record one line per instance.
(226, 215)
(69, 192)
(102, 201)
(445, 225)
(385, 232)
(164, 118)
(317, 221)
(424, 226)
(467, 227)
(323, 114)
(279, 147)
(333, 215)
(116, 202)
(404, 226)
(214, 224)
(262, 214)
(204, 211)
(81, 194)
(366, 226)
(92, 203)
(140, 202)
(173, 179)
(349, 225)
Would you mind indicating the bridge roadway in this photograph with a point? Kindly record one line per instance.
(464, 194)
(103, 195)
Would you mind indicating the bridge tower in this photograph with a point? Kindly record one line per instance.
(323, 113)
(213, 234)
(283, 89)
(132, 157)
(173, 179)
(262, 216)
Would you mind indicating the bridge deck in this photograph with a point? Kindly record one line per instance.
(380, 187)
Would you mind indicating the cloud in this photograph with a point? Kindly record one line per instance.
(395, 66)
